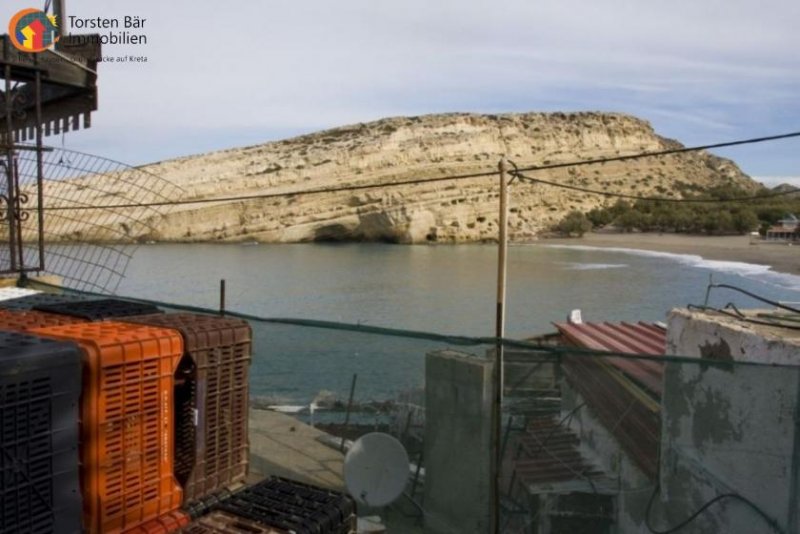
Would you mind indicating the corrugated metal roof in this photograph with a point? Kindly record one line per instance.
(627, 338)
(621, 408)
(624, 393)
(644, 339)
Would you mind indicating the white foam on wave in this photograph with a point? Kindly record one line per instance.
(593, 266)
(755, 271)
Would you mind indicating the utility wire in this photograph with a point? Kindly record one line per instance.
(516, 173)
(680, 526)
(525, 178)
(318, 191)
(659, 153)
(753, 296)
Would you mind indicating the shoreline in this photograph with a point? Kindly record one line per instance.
(780, 258)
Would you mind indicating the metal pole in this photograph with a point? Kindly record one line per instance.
(10, 191)
(349, 407)
(222, 297)
(497, 405)
(60, 11)
(39, 168)
(21, 216)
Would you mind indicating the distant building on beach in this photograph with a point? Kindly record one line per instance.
(787, 229)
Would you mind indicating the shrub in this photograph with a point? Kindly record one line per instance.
(575, 223)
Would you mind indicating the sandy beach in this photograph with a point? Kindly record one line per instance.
(782, 258)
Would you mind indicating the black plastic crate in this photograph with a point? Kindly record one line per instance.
(293, 506)
(42, 299)
(98, 310)
(40, 387)
(201, 507)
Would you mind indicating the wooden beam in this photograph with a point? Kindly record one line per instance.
(83, 49)
(69, 87)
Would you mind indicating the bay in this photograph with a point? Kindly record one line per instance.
(442, 289)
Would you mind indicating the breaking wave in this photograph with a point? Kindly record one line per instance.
(593, 266)
(753, 271)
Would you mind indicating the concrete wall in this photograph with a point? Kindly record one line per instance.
(719, 337)
(729, 427)
(458, 399)
(730, 430)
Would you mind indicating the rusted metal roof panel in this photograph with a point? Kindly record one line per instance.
(622, 412)
(626, 338)
(624, 393)
(642, 339)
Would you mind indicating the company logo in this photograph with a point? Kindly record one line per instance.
(32, 30)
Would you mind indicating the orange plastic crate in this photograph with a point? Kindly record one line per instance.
(166, 524)
(24, 321)
(127, 443)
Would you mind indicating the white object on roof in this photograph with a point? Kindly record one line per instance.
(575, 317)
(9, 293)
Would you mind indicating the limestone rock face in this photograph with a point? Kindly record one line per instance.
(422, 147)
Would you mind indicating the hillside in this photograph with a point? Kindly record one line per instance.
(791, 191)
(416, 147)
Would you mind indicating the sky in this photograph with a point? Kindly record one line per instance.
(222, 75)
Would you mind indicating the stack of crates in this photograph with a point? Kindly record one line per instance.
(126, 422)
(290, 506)
(40, 387)
(162, 401)
(211, 436)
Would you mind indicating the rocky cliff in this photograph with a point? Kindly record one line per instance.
(418, 147)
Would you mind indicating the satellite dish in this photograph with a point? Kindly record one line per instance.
(376, 469)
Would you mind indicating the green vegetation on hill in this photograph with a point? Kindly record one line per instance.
(575, 224)
(717, 217)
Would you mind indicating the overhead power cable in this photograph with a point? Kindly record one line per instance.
(525, 178)
(517, 172)
(660, 153)
(318, 191)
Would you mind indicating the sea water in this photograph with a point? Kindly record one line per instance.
(442, 289)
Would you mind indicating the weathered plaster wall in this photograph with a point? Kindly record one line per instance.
(730, 430)
(729, 427)
(719, 337)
